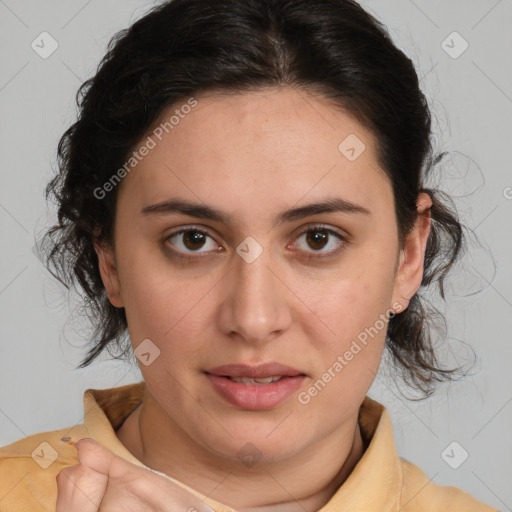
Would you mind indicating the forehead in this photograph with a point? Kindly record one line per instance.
(266, 143)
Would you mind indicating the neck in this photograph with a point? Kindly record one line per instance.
(309, 481)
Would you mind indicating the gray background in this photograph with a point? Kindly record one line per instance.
(471, 98)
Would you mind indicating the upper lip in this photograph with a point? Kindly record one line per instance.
(262, 370)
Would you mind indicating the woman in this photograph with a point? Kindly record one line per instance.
(243, 194)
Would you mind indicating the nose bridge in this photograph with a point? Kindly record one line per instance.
(254, 304)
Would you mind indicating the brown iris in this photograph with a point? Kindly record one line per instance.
(193, 240)
(317, 237)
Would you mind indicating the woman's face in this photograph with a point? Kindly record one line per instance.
(251, 285)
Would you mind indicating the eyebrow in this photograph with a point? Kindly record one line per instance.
(204, 211)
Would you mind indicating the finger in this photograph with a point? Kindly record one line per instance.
(80, 489)
(133, 482)
(101, 459)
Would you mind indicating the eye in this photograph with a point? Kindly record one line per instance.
(192, 240)
(318, 238)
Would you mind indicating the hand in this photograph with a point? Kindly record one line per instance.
(105, 482)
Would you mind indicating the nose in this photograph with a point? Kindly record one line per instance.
(254, 304)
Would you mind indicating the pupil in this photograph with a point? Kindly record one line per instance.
(193, 239)
(317, 237)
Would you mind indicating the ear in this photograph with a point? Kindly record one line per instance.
(109, 275)
(410, 267)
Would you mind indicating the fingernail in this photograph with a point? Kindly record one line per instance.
(90, 438)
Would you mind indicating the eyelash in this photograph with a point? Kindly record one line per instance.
(312, 255)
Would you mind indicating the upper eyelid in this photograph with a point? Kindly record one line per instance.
(205, 230)
(320, 226)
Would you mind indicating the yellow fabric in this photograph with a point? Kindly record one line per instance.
(381, 481)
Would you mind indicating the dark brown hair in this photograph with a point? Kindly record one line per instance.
(333, 48)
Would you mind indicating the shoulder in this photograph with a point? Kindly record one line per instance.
(29, 467)
(419, 493)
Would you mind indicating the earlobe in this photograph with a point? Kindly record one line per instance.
(109, 274)
(412, 256)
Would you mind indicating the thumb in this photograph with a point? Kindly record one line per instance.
(80, 488)
(95, 456)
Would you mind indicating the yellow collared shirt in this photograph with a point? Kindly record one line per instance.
(381, 481)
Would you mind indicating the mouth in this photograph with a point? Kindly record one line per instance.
(259, 373)
(255, 387)
(259, 380)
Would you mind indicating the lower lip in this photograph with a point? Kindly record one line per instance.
(255, 397)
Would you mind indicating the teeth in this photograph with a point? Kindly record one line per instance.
(256, 380)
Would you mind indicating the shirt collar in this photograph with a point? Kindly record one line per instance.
(374, 484)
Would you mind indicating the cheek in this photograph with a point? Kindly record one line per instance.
(161, 309)
(167, 306)
(353, 298)
(358, 313)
